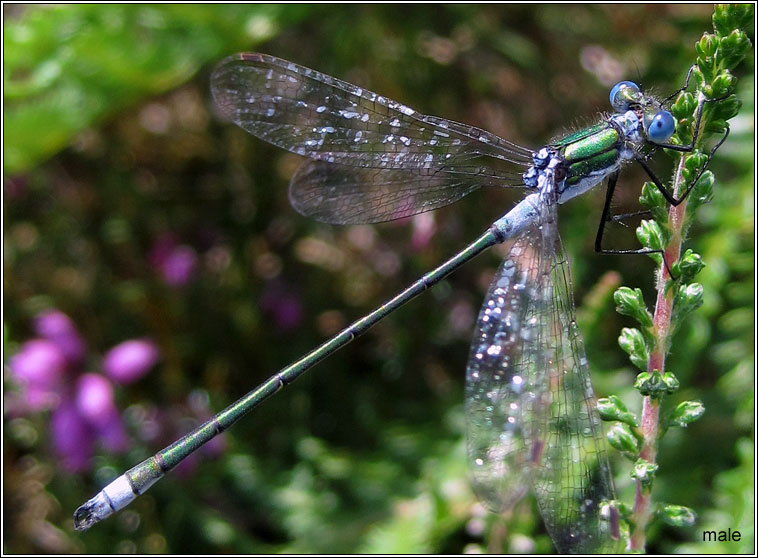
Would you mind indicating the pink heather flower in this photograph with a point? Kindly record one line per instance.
(94, 397)
(58, 328)
(49, 371)
(72, 437)
(282, 306)
(95, 403)
(39, 367)
(179, 267)
(130, 360)
(424, 227)
(175, 262)
(38, 398)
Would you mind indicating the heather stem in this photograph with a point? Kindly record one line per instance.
(649, 423)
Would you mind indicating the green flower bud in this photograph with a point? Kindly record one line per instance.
(706, 46)
(632, 341)
(708, 68)
(727, 17)
(629, 302)
(724, 84)
(677, 516)
(644, 471)
(722, 21)
(613, 409)
(703, 191)
(670, 382)
(656, 385)
(653, 236)
(689, 265)
(688, 298)
(692, 165)
(684, 106)
(732, 49)
(723, 110)
(643, 381)
(686, 412)
(698, 76)
(620, 436)
(652, 198)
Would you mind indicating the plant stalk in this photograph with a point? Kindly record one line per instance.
(662, 329)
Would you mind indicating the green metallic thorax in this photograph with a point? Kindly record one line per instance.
(593, 150)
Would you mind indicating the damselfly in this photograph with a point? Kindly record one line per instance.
(531, 415)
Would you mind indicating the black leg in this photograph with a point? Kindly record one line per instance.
(606, 216)
(701, 103)
(669, 198)
(685, 86)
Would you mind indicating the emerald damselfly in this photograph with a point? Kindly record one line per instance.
(531, 414)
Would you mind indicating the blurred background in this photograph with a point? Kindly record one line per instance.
(154, 272)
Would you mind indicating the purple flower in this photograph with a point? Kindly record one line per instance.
(175, 262)
(95, 403)
(49, 372)
(39, 362)
(179, 267)
(72, 437)
(38, 398)
(282, 306)
(94, 397)
(39, 367)
(55, 326)
(130, 360)
(424, 227)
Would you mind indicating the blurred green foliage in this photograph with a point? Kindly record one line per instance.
(111, 141)
(70, 67)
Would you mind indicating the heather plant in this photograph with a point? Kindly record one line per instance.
(638, 438)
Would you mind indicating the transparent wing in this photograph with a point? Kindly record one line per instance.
(531, 414)
(506, 382)
(334, 122)
(573, 481)
(340, 194)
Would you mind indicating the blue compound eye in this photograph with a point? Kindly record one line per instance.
(661, 128)
(622, 95)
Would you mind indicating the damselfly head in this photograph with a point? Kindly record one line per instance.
(658, 123)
